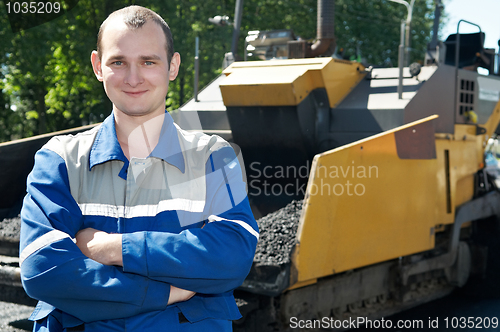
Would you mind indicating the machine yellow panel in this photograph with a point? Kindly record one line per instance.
(462, 153)
(288, 82)
(369, 202)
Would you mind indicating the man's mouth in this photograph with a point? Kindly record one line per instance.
(135, 93)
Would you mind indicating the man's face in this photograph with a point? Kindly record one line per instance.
(134, 68)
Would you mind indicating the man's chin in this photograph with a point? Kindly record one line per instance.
(137, 113)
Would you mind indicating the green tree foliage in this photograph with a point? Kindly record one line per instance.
(45, 71)
(372, 28)
(367, 27)
(47, 76)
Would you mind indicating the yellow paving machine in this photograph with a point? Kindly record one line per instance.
(388, 164)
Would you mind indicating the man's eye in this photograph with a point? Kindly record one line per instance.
(149, 63)
(118, 63)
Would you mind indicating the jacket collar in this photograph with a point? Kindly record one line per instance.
(106, 146)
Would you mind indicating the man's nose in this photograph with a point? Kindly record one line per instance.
(133, 76)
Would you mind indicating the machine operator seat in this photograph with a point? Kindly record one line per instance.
(472, 53)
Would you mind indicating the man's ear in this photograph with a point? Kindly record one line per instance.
(174, 66)
(96, 65)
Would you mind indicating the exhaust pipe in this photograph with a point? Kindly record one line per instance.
(325, 35)
(325, 28)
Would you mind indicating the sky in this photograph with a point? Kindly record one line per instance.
(485, 13)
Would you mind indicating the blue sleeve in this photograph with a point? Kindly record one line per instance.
(210, 260)
(54, 270)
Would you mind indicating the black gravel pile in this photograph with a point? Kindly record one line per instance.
(278, 235)
(10, 229)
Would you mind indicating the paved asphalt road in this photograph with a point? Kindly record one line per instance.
(13, 317)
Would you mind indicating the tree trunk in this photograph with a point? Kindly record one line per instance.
(41, 110)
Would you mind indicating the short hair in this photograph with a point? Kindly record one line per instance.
(134, 18)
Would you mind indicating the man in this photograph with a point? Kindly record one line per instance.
(136, 225)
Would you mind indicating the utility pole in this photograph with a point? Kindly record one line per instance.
(238, 11)
(409, 7)
(408, 30)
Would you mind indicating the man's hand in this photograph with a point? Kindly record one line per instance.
(100, 246)
(179, 295)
